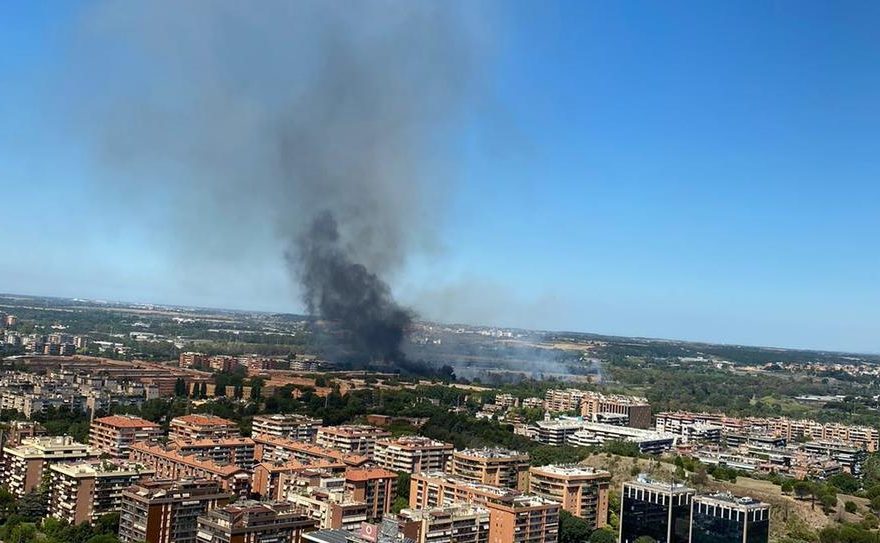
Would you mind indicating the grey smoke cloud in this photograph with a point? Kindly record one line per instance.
(311, 115)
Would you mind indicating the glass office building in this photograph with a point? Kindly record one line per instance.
(724, 518)
(659, 510)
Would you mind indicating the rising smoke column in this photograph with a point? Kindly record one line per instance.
(332, 121)
(344, 291)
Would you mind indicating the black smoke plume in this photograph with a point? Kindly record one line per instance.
(346, 292)
(326, 126)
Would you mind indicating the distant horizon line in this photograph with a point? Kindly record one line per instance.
(418, 320)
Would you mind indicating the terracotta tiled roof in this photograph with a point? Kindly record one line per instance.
(125, 421)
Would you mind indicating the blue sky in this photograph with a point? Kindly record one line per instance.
(688, 170)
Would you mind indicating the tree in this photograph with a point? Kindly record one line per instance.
(645, 539)
(787, 486)
(180, 387)
(220, 391)
(572, 529)
(802, 489)
(602, 535)
(403, 479)
(850, 506)
(203, 390)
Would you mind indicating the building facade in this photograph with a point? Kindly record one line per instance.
(412, 454)
(83, 491)
(581, 490)
(661, 511)
(114, 435)
(166, 511)
(498, 467)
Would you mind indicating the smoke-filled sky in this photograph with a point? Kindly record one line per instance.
(677, 170)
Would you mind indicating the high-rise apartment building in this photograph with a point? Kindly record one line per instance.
(254, 522)
(581, 490)
(376, 487)
(351, 438)
(278, 449)
(114, 435)
(655, 509)
(83, 491)
(412, 454)
(232, 450)
(290, 426)
(171, 464)
(724, 518)
(459, 523)
(25, 465)
(513, 516)
(499, 467)
(202, 427)
(165, 511)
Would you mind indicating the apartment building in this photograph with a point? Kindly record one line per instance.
(233, 450)
(412, 454)
(171, 464)
(254, 522)
(166, 511)
(351, 438)
(376, 487)
(25, 465)
(492, 466)
(593, 405)
(114, 435)
(83, 491)
(269, 478)
(193, 360)
(279, 450)
(459, 523)
(323, 497)
(197, 427)
(513, 516)
(290, 426)
(648, 441)
(581, 490)
(864, 437)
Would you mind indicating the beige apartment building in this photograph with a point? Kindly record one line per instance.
(289, 426)
(459, 523)
(351, 438)
(166, 511)
(114, 435)
(254, 522)
(83, 491)
(581, 490)
(492, 466)
(171, 464)
(202, 427)
(412, 454)
(514, 517)
(25, 465)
